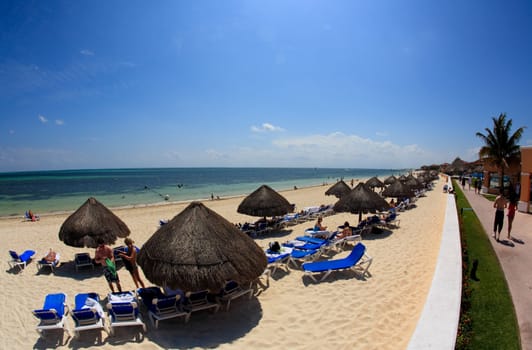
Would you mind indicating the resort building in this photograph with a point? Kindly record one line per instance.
(524, 187)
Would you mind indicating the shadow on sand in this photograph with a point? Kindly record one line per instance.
(208, 330)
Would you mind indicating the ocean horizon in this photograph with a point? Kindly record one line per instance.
(52, 191)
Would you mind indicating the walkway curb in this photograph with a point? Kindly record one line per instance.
(438, 324)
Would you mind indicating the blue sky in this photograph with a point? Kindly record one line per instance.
(365, 84)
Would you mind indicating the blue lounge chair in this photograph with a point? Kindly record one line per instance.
(124, 314)
(196, 301)
(277, 259)
(51, 264)
(232, 291)
(53, 314)
(161, 306)
(83, 260)
(356, 259)
(304, 255)
(88, 313)
(21, 260)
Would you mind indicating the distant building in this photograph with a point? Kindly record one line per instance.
(524, 187)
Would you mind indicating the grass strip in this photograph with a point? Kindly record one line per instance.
(487, 319)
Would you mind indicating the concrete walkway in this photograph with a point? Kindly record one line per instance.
(514, 257)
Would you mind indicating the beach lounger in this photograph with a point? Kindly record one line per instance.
(356, 259)
(21, 260)
(303, 255)
(162, 307)
(51, 264)
(83, 260)
(53, 314)
(232, 291)
(88, 313)
(197, 301)
(123, 311)
(278, 259)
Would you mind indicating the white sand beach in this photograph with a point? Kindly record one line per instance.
(343, 312)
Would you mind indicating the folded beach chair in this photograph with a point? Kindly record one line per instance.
(160, 306)
(52, 265)
(88, 313)
(123, 311)
(232, 291)
(196, 301)
(21, 260)
(83, 260)
(53, 314)
(356, 259)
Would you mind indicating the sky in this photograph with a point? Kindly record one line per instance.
(341, 84)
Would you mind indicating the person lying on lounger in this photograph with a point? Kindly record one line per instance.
(50, 257)
(346, 231)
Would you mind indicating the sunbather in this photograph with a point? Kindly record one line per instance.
(50, 257)
(346, 231)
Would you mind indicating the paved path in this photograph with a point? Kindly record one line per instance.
(515, 259)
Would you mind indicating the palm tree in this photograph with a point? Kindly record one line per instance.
(499, 146)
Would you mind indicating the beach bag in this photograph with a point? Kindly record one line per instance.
(275, 247)
(111, 266)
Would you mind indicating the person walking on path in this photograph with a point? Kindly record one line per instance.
(511, 215)
(130, 262)
(104, 256)
(499, 205)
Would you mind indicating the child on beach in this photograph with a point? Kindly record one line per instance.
(130, 262)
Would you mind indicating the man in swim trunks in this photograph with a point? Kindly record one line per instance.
(499, 205)
(104, 252)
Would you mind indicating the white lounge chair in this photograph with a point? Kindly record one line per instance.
(51, 264)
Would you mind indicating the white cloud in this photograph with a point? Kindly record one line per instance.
(42, 119)
(59, 122)
(266, 127)
(381, 133)
(337, 149)
(11, 132)
(86, 52)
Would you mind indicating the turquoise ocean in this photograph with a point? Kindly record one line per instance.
(67, 190)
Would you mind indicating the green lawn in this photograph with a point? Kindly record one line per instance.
(488, 317)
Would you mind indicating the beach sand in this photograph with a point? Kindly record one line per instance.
(343, 312)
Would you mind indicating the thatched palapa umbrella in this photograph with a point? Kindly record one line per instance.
(374, 182)
(398, 189)
(361, 200)
(91, 221)
(198, 249)
(338, 190)
(390, 180)
(265, 201)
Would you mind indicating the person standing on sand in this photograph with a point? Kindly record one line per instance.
(499, 205)
(511, 214)
(105, 257)
(130, 262)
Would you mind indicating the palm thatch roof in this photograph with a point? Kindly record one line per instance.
(361, 200)
(91, 221)
(198, 249)
(338, 190)
(375, 182)
(398, 189)
(265, 201)
(390, 180)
